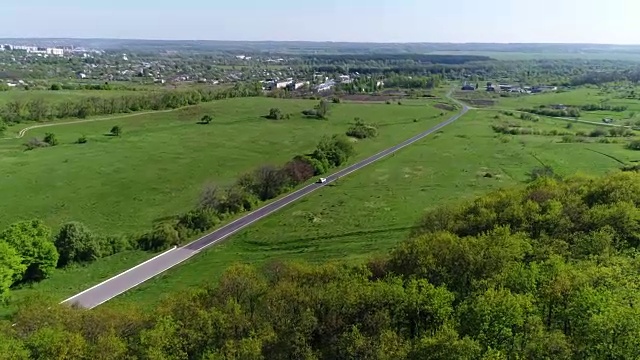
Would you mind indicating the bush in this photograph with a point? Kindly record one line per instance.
(76, 243)
(361, 130)
(56, 87)
(275, 114)
(116, 130)
(634, 145)
(198, 220)
(320, 111)
(34, 144)
(163, 236)
(207, 119)
(50, 139)
(542, 172)
(113, 244)
(598, 132)
(336, 100)
(82, 140)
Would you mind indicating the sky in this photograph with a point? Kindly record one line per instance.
(458, 21)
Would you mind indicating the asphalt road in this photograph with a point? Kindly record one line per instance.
(117, 285)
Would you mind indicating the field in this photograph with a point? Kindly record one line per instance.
(370, 211)
(54, 97)
(169, 156)
(161, 163)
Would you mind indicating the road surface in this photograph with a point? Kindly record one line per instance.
(117, 285)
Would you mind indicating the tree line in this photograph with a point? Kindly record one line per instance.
(30, 252)
(543, 271)
(38, 109)
(217, 203)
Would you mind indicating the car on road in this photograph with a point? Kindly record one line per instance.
(322, 181)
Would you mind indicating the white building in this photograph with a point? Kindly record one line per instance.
(55, 51)
(283, 84)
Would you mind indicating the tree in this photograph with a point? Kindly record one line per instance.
(76, 243)
(322, 109)
(82, 140)
(270, 182)
(32, 240)
(116, 130)
(56, 87)
(299, 170)
(275, 114)
(50, 138)
(11, 269)
(206, 119)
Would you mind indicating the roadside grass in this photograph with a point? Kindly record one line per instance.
(370, 211)
(159, 165)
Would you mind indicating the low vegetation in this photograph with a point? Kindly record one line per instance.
(362, 130)
(37, 109)
(544, 271)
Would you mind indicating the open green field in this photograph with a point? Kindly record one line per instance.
(575, 97)
(162, 161)
(370, 211)
(363, 214)
(54, 97)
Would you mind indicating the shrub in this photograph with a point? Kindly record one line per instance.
(207, 119)
(163, 236)
(116, 130)
(56, 87)
(634, 145)
(336, 100)
(542, 172)
(76, 243)
(82, 140)
(361, 130)
(34, 144)
(275, 114)
(198, 220)
(50, 139)
(598, 132)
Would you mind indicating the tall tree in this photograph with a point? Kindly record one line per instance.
(32, 240)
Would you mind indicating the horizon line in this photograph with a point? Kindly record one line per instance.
(321, 41)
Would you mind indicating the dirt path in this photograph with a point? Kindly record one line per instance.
(22, 132)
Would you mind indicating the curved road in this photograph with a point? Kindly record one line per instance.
(117, 285)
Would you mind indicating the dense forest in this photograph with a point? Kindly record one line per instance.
(544, 271)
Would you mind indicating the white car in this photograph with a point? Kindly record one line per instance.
(322, 180)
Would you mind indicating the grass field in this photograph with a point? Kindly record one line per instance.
(162, 161)
(371, 210)
(575, 97)
(59, 96)
(366, 213)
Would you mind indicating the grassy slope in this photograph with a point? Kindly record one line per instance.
(161, 163)
(61, 95)
(369, 211)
